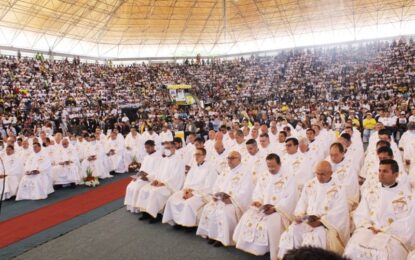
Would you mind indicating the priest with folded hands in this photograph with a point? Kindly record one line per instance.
(184, 206)
(35, 184)
(167, 180)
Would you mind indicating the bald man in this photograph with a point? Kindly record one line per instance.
(321, 215)
(65, 166)
(232, 193)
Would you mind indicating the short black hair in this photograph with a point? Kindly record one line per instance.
(311, 253)
(292, 139)
(385, 149)
(203, 150)
(311, 130)
(273, 156)
(177, 140)
(394, 165)
(384, 132)
(284, 133)
(383, 143)
(200, 140)
(251, 141)
(11, 147)
(264, 135)
(346, 136)
(338, 145)
(150, 143)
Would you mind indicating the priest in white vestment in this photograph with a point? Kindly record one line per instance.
(146, 173)
(254, 160)
(66, 167)
(271, 211)
(114, 150)
(232, 194)
(94, 159)
(168, 179)
(384, 219)
(12, 172)
(344, 174)
(184, 206)
(35, 184)
(132, 148)
(321, 215)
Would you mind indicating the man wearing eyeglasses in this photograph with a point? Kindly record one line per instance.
(270, 213)
(321, 216)
(231, 196)
(183, 207)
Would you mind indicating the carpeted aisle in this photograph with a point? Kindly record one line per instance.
(28, 224)
(119, 235)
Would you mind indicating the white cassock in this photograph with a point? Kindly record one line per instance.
(355, 157)
(188, 154)
(372, 177)
(218, 220)
(219, 161)
(240, 148)
(318, 149)
(98, 165)
(80, 148)
(255, 164)
(154, 136)
(305, 171)
(258, 233)
(152, 199)
(150, 166)
(115, 161)
(390, 210)
(298, 169)
(327, 201)
(345, 175)
(166, 136)
(132, 149)
(13, 169)
(210, 147)
(35, 187)
(186, 212)
(65, 174)
(411, 255)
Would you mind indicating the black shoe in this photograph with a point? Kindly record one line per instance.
(144, 216)
(211, 241)
(217, 244)
(177, 227)
(112, 172)
(190, 229)
(156, 219)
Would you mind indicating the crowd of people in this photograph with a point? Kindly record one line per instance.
(306, 148)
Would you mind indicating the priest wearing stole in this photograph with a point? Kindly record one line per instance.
(114, 149)
(321, 215)
(66, 168)
(94, 159)
(168, 179)
(146, 173)
(232, 194)
(384, 219)
(35, 184)
(12, 171)
(184, 207)
(271, 211)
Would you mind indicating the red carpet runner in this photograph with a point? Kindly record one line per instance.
(28, 224)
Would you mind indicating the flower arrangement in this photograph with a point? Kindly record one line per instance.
(134, 165)
(90, 180)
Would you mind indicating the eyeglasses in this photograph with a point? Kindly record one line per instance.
(232, 158)
(198, 154)
(289, 145)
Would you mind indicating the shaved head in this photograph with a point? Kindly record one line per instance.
(323, 171)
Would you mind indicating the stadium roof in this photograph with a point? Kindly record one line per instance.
(167, 28)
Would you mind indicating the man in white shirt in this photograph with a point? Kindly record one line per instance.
(261, 226)
(232, 193)
(321, 215)
(384, 219)
(184, 207)
(35, 183)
